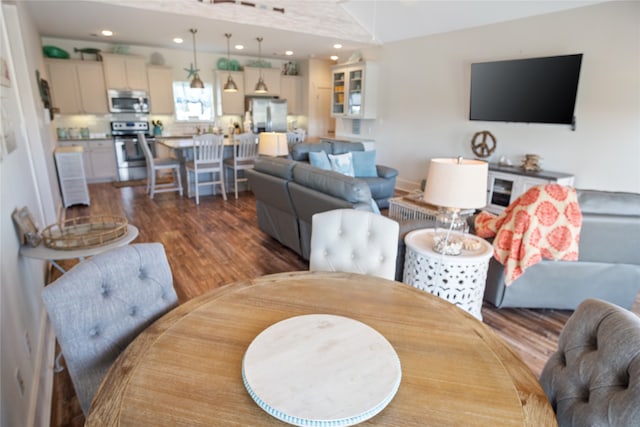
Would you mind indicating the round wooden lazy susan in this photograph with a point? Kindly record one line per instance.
(321, 370)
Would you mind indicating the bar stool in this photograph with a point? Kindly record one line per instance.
(156, 164)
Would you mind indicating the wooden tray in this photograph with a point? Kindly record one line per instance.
(84, 232)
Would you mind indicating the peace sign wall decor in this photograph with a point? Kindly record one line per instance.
(483, 144)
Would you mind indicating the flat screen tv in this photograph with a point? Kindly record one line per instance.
(533, 90)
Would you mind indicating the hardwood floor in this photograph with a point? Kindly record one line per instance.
(217, 242)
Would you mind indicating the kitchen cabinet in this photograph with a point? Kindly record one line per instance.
(271, 77)
(71, 176)
(354, 92)
(506, 183)
(232, 102)
(291, 90)
(125, 72)
(160, 89)
(77, 87)
(99, 158)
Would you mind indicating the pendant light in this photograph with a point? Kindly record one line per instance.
(196, 83)
(230, 85)
(261, 87)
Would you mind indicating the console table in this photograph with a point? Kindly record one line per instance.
(507, 183)
(411, 207)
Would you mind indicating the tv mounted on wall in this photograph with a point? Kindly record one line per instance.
(533, 90)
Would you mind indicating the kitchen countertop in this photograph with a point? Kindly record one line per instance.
(182, 142)
(338, 138)
(84, 139)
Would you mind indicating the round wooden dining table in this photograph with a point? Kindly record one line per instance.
(186, 368)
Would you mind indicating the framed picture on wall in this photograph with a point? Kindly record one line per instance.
(25, 227)
(9, 111)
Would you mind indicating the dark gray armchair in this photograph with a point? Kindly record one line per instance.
(594, 377)
(98, 307)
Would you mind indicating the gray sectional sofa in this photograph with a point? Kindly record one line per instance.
(288, 193)
(382, 186)
(608, 265)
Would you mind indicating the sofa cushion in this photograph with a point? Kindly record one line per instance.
(342, 163)
(380, 187)
(333, 183)
(364, 163)
(340, 147)
(609, 203)
(320, 160)
(300, 151)
(276, 166)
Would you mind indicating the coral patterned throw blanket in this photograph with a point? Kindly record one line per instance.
(544, 222)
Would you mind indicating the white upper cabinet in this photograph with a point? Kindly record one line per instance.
(126, 72)
(160, 89)
(354, 93)
(291, 90)
(77, 87)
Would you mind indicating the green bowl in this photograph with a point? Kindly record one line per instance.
(55, 52)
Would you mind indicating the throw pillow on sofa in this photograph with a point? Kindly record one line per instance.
(364, 163)
(320, 160)
(342, 163)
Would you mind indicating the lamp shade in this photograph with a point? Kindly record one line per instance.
(273, 144)
(457, 183)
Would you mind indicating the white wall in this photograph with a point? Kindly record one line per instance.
(424, 96)
(25, 180)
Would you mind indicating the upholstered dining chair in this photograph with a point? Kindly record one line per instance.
(208, 150)
(594, 377)
(354, 241)
(98, 307)
(245, 151)
(157, 164)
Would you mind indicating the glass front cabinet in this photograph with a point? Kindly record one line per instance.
(354, 91)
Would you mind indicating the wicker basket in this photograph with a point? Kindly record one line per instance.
(84, 232)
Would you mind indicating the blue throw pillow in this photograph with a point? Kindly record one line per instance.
(364, 163)
(319, 159)
(342, 163)
(374, 207)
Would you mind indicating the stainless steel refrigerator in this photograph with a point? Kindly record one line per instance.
(268, 114)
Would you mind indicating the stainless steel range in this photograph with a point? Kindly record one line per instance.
(129, 156)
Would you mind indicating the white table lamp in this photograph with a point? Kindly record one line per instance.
(455, 185)
(273, 144)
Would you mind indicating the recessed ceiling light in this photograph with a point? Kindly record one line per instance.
(177, 40)
(337, 46)
(288, 52)
(239, 47)
(106, 33)
(334, 57)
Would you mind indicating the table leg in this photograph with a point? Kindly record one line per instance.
(56, 265)
(57, 367)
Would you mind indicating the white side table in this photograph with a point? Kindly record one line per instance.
(459, 279)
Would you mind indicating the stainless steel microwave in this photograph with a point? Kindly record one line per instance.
(128, 101)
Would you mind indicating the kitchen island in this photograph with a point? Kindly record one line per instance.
(182, 149)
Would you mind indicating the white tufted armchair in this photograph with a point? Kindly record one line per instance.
(594, 377)
(354, 241)
(98, 307)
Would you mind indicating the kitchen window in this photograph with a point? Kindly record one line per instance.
(193, 105)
